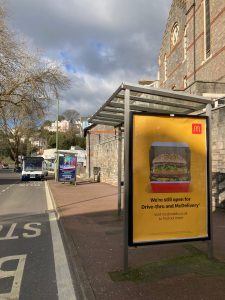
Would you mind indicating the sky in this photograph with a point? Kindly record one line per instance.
(100, 43)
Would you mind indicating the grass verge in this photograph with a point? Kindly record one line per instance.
(197, 263)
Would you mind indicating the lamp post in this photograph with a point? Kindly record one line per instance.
(57, 141)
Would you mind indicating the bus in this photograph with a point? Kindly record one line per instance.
(33, 167)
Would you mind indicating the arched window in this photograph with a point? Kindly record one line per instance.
(165, 67)
(185, 43)
(159, 64)
(207, 28)
(174, 34)
(159, 61)
(185, 82)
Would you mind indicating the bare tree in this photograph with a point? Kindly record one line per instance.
(16, 128)
(71, 115)
(9, 50)
(32, 84)
(26, 79)
(28, 83)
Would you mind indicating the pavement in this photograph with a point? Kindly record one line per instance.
(93, 233)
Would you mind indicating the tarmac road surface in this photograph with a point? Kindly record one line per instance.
(33, 264)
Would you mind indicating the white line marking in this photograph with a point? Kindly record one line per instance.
(16, 274)
(48, 197)
(9, 235)
(8, 187)
(37, 231)
(63, 277)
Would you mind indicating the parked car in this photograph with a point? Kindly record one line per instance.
(5, 166)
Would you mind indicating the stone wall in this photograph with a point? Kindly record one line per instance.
(103, 153)
(218, 156)
(106, 157)
(203, 88)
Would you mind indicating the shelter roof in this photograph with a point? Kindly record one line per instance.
(150, 100)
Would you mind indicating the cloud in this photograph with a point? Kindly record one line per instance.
(101, 43)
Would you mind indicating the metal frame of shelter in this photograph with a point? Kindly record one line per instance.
(115, 112)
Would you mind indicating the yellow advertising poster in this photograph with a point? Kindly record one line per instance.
(169, 178)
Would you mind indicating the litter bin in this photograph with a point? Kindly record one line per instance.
(96, 172)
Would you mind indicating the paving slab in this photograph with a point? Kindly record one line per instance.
(94, 233)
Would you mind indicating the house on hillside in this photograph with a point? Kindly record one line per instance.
(63, 126)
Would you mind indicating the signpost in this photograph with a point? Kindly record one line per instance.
(169, 175)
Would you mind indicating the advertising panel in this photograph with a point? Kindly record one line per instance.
(168, 179)
(67, 168)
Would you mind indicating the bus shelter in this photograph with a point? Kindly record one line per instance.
(117, 111)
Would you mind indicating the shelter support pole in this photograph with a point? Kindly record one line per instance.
(126, 175)
(89, 154)
(57, 142)
(119, 169)
(210, 242)
(194, 34)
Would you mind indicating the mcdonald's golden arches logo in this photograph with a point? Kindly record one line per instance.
(196, 128)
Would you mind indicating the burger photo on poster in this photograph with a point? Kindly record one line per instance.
(169, 167)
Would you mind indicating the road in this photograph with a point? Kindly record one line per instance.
(33, 264)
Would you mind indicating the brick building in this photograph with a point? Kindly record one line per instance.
(191, 59)
(193, 48)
